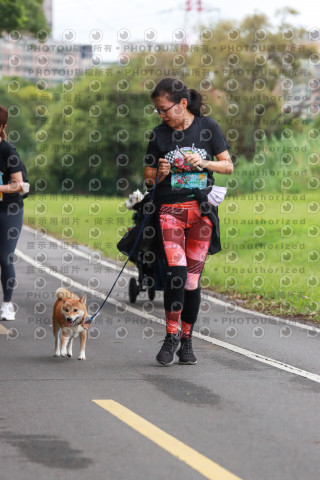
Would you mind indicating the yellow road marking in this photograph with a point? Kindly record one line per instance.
(3, 330)
(191, 457)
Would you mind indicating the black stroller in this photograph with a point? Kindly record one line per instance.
(148, 254)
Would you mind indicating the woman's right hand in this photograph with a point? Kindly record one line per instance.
(164, 167)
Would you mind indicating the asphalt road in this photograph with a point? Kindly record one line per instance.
(248, 410)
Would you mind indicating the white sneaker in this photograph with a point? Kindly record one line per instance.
(7, 311)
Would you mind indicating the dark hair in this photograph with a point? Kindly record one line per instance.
(3, 121)
(176, 90)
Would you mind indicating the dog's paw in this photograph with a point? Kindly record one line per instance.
(56, 354)
(69, 355)
(82, 356)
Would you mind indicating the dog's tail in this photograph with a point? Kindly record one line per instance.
(63, 292)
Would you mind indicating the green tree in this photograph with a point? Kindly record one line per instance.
(96, 135)
(255, 66)
(23, 15)
(21, 127)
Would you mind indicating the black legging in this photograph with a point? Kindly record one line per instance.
(10, 228)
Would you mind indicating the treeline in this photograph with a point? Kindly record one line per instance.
(89, 135)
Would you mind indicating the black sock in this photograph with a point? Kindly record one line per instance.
(174, 289)
(191, 306)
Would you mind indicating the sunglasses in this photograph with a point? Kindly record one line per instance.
(163, 112)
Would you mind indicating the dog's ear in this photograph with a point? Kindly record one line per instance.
(83, 298)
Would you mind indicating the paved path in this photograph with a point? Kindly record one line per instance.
(248, 410)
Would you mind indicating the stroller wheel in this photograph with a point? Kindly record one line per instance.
(133, 290)
(151, 293)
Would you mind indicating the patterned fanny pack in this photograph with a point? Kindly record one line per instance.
(189, 180)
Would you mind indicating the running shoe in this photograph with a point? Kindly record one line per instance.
(168, 349)
(185, 352)
(7, 311)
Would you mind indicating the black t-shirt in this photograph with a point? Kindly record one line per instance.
(9, 163)
(203, 136)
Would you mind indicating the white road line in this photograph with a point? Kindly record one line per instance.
(232, 308)
(242, 351)
(81, 253)
(227, 305)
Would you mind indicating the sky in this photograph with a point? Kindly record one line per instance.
(138, 17)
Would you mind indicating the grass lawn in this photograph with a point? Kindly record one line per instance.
(270, 244)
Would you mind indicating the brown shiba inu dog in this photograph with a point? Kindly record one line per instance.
(69, 311)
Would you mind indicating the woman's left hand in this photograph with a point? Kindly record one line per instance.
(194, 160)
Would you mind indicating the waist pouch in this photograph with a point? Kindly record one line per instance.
(189, 180)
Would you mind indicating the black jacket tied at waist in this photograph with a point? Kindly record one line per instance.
(210, 211)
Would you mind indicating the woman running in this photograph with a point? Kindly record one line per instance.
(180, 154)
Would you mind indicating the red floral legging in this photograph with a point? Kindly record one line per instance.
(186, 238)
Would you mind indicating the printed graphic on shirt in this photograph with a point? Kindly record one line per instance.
(176, 158)
(183, 174)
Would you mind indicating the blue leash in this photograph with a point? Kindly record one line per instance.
(87, 322)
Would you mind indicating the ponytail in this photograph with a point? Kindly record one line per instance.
(195, 104)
